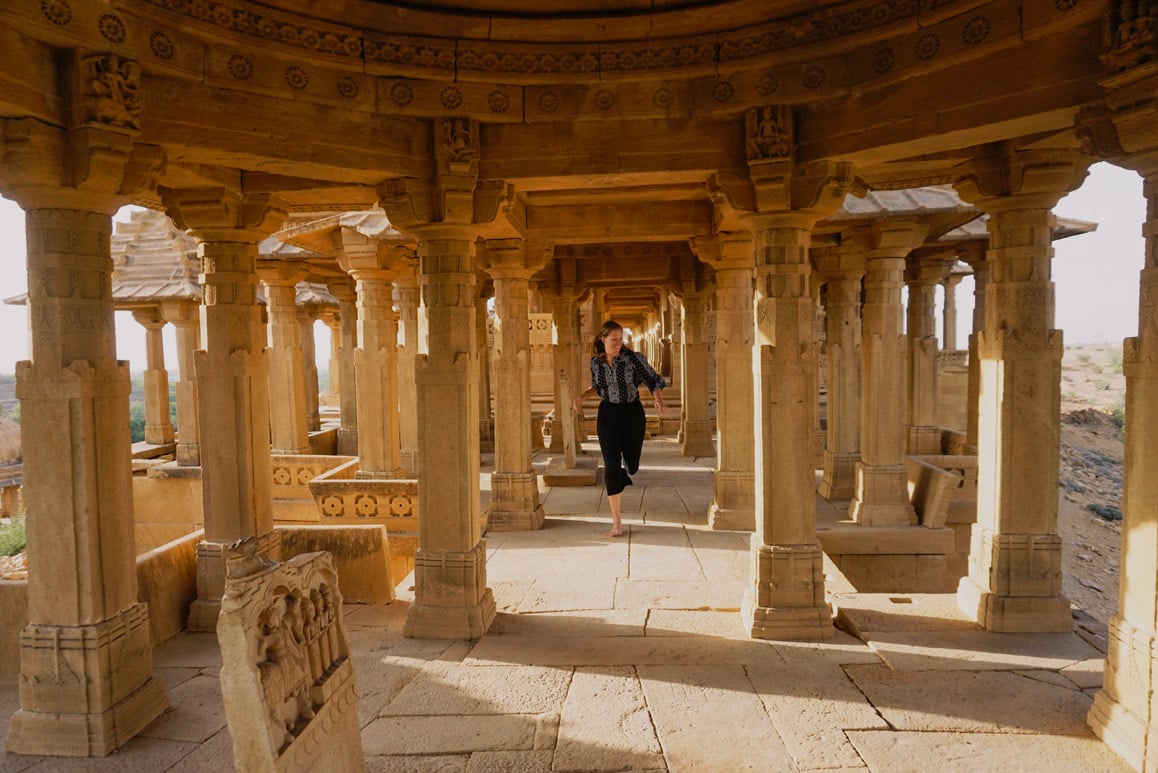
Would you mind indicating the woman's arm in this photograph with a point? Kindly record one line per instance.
(655, 382)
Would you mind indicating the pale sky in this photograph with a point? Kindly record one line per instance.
(1096, 276)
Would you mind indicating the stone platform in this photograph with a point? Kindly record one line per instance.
(629, 654)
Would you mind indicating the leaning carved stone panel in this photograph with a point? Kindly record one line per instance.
(287, 679)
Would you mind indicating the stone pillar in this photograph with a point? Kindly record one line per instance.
(881, 497)
(733, 504)
(1014, 581)
(347, 297)
(289, 429)
(844, 270)
(307, 315)
(86, 658)
(980, 268)
(565, 313)
(334, 365)
(158, 426)
(232, 381)
(697, 424)
(486, 422)
(676, 346)
(786, 598)
(514, 483)
(1123, 712)
(186, 319)
(406, 298)
(949, 312)
(924, 436)
(373, 265)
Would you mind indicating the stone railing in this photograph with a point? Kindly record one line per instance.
(341, 497)
(292, 473)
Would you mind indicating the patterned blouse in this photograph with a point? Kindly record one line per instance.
(617, 382)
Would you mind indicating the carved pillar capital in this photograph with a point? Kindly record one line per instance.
(216, 214)
(726, 250)
(1013, 179)
(511, 259)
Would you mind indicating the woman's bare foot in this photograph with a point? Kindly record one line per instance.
(617, 532)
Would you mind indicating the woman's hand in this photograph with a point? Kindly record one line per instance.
(577, 404)
(660, 405)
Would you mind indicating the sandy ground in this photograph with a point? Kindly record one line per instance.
(1090, 476)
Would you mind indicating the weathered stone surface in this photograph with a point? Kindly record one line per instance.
(574, 624)
(197, 712)
(971, 701)
(678, 622)
(605, 724)
(672, 594)
(590, 592)
(417, 764)
(862, 613)
(482, 690)
(842, 649)
(908, 752)
(618, 650)
(812, 709)
(979, 650)
(441, 735)
(745, 740)
(510, 762)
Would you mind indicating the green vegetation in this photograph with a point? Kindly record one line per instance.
(1118, 414)
(12, 536)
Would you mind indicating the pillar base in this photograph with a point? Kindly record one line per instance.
(696, 439)
(86, 690)
(347, 441)
(515, 502)
(206, 608)
(451, 600)
(1014, 614)
(839, 479)
(1118, 715)
(882, 496)
(515, 520)
(731, 518)
(924, 440)
(787, 598)
(188, 454)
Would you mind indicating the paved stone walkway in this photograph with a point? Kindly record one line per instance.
(629, 654)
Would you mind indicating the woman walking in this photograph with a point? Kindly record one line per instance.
(616, 373)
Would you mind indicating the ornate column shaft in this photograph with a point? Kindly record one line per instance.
(697, 424)
(734, 501)
(1014, 580)
(158, 426)
(345, 292)
(307, 315)
(406, 298)
(787, 596)
(980, 283)
(373, 264)
(882, 493)
(334, 364)
(289, 429)
(949, 312)
(514, 483)
(924, 436)
(844, 271)
(186, 319)
(486, 421)
(565, 316)
(232, 381)
(86, 659)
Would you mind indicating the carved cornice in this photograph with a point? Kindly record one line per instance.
(1010, 178)
(217, 214)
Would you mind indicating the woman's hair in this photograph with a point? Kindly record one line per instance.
(608, 327)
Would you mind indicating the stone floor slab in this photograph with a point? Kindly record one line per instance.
(573, 624)
(619, 650)
(971, 701)
(448, 735)
(674, 594)
(593, 592)
(979, 650)
(510, 762)
(862, 613)
(482, 690)
(841, 649)
(1087, 673)
(440, 763)
(190, 650)
(907, 752)
(812, 709)
(605, 724)
(680, 622)
(734, 734)
(196, 712)
(662, 499)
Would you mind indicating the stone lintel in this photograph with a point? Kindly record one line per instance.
(839, 479)
(86, 690)
(882, 496)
